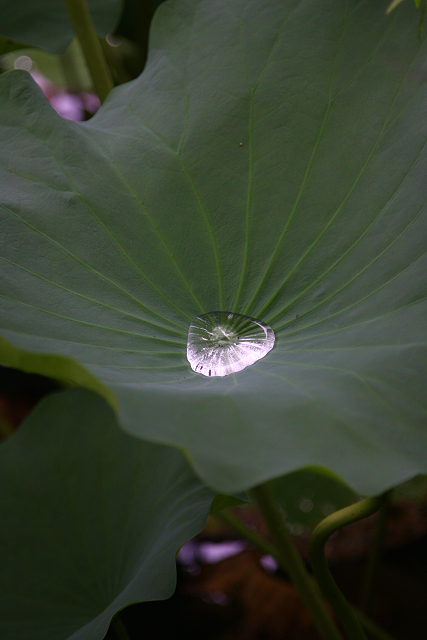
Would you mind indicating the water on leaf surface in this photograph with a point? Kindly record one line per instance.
(221, 342)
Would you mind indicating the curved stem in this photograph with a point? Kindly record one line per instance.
(319, 564)
(294, 565)
(89, 42)
(264, 546)
(371, 571)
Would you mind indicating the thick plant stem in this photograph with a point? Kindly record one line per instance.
(319, 564)
(264, 546)
(370, 578)
(85, 32)
(294, 565)
(119, 628)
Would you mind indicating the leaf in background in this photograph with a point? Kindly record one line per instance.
(135, 20)
(45, 23)
(135, 24)
(221, 502)
(270, 160)
(7, 46)
(53, 366)
(67, 69)
(91, 520)
(309, 495)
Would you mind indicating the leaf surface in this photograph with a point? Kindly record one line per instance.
(91, 520)
(45, 23)
(270, 161)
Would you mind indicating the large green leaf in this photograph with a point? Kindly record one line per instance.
(91, 520)
(45, 23)
(270, 160)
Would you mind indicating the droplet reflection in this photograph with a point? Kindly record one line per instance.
(220, 343)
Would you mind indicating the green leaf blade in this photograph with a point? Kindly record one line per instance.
(93, 519)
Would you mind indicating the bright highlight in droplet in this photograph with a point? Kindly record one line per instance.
(220, 343)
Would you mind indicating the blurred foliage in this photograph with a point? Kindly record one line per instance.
(396, 3)
(221, 502)
(309, 495)
(414, 489)
(125, 52)
(67, 69)
(46, 24)
(135, 24)
(7, 45)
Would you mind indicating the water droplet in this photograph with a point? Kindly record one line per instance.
(220, 343)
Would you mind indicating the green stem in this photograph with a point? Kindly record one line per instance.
(119, 627)
(89, 42)
(251, 536)
(264, 546)
(319, 564)
(293, 564)
(371, 572)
